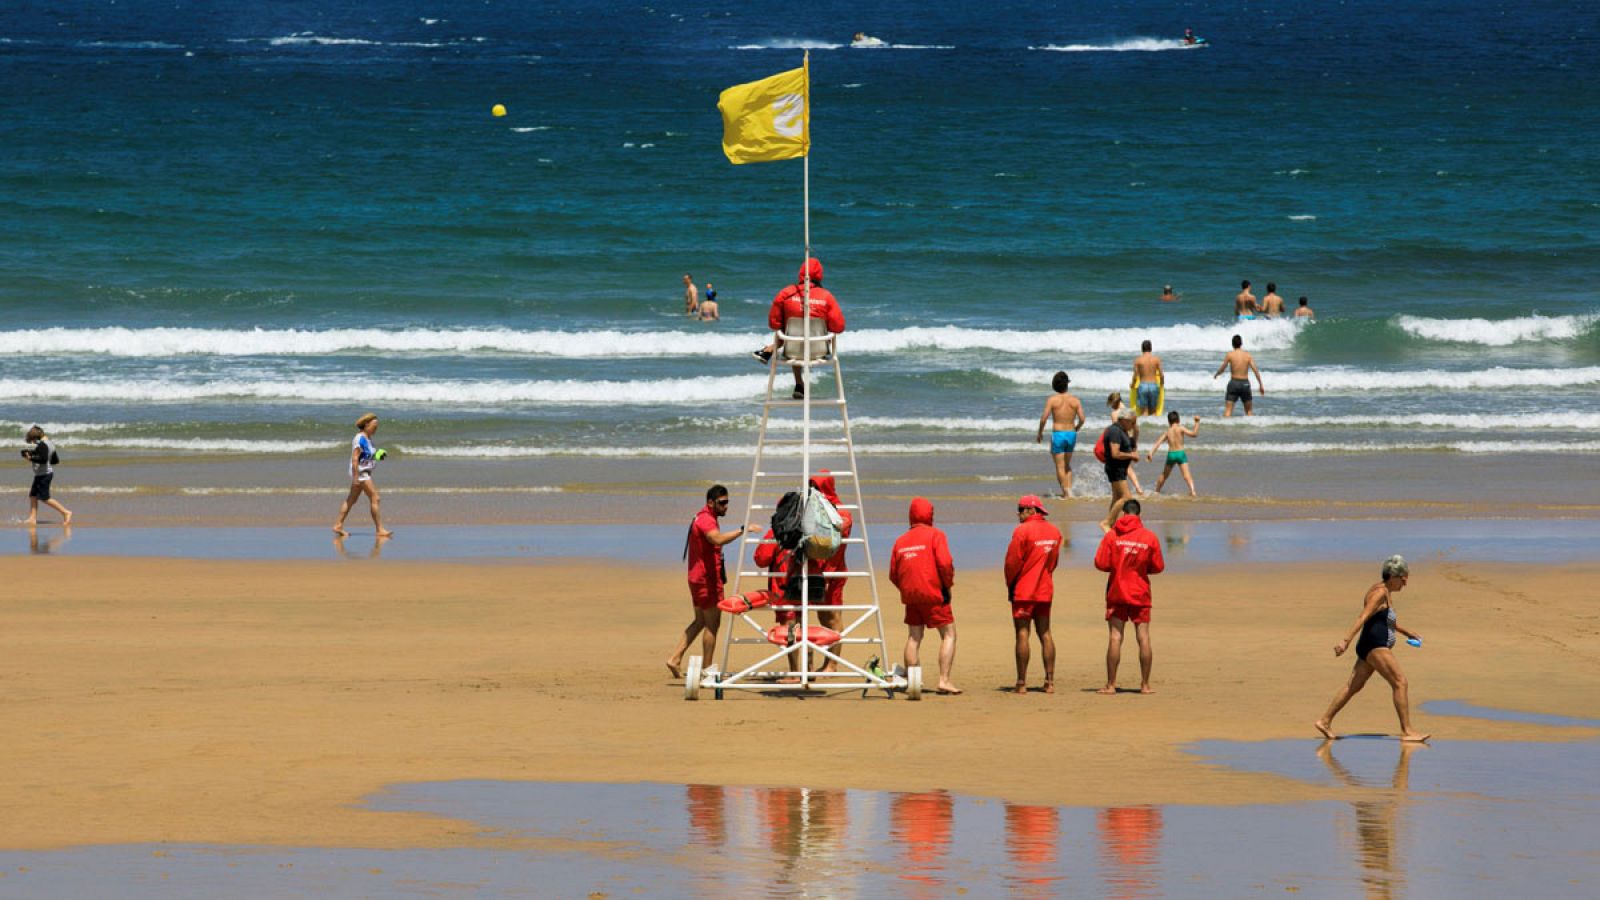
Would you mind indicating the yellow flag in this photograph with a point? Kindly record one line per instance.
(768, 119)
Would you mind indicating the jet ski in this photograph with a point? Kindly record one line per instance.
(866, 40)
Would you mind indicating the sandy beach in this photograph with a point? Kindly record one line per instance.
(259, 703)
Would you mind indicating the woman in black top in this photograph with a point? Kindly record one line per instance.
(1376, 627)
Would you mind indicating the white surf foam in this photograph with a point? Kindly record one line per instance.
(1465, 422)
(208, 445)
(1498, 332)
(789, 44)
(60, 428)
(163, 342)
(1127, 45)
(1333, 379)
(133, 45)
(343, 390)
(510, 451)
(311, 38)
(1098, 417)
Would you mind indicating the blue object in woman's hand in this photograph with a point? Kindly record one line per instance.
(1415, 642)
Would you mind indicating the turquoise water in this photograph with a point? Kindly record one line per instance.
(234, 232)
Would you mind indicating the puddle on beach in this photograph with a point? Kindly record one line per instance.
(1194, 542)
(1458, 818)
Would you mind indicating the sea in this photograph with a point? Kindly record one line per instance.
(233, 227)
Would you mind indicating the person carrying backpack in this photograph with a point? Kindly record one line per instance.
(44, 458)
(833, 595)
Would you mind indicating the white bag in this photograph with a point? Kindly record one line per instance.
(820, 524)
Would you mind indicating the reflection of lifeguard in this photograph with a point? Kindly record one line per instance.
(920, 824)
(1031, 834)
(708, 823)
(1130, 837)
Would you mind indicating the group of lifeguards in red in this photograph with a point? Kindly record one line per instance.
(921, 566)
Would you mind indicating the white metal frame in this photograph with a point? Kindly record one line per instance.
(862, 622)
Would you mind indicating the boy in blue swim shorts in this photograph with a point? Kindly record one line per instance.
(1065, 415)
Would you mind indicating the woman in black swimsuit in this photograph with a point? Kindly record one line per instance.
(1375, 650)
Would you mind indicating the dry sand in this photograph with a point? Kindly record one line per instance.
(258, 703)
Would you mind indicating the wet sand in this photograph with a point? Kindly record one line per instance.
(258, 703)
(140, 490)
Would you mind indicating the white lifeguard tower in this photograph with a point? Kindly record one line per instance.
(750, 660)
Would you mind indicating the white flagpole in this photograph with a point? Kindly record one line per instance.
(805, 326)
(805, 288)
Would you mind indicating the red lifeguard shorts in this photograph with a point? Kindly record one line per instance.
(704, 596)
(1023, 610)
(1127, 613)
(931, 615)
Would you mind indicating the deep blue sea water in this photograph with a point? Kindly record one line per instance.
(234, 226)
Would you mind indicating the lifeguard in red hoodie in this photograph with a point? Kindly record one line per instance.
(1131, 553)
(834, 594)
(791, 303)
(921, 567)
(1030, 586)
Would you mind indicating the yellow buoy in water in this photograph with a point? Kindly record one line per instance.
(498, 110)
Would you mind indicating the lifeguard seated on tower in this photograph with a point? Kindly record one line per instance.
(788, 309)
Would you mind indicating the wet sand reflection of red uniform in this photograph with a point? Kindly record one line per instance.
(920, 825)
(708, 822)
(1031, 835)
(1130, 838)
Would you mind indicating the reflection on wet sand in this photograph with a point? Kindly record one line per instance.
(49, 545)
(1130, 839)
(1031, 836)
(920, 824)
(375, 553)
(806, 829)
(708, 817)
(1377, 822)
(803, 840)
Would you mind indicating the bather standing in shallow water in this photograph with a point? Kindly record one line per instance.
(1376, 627)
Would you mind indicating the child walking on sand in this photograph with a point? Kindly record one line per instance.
(1114, 402)
(1176, 454)
(44, 459)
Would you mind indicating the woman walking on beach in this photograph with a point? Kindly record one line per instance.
(363, 457)
(1377, 627)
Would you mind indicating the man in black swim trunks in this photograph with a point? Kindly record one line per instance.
(1239, 364)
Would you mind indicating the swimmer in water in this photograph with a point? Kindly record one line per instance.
(1244, 305)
